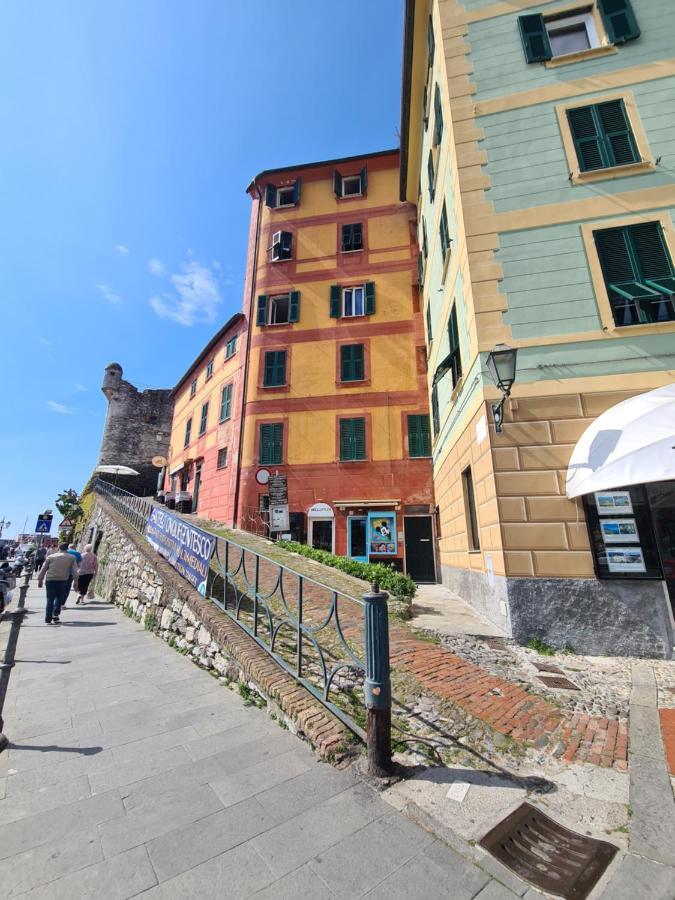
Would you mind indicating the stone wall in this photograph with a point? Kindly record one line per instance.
(135, 578)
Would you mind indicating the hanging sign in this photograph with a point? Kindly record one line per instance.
(186, 548)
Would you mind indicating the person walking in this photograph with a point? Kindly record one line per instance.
(40, 557)
(72, 549)
(88, 568)
(57, 573)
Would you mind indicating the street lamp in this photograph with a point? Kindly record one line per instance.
(501, 363)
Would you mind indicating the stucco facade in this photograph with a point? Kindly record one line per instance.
(522, 266)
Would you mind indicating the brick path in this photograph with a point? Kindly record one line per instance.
(507, 707)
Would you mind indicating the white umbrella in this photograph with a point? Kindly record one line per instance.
(631, 443)
(116, 470)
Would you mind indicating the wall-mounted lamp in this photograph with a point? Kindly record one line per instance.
(501, 363)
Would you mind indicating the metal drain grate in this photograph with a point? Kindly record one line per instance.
(549, 667)
(557, 681)
(548, 855)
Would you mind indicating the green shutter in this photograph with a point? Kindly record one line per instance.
(619, 19)
(296, 192)
(614, 255)
(275, 368)
(188, 430)
(204, 417)
(650, 251)
(438, 115)
(420, 270)
(294, 308)
(352, 362)
(226, 403)
(425, 107)
(619, 141)
(425, 248)
(370, 298)
(271, 196)
(261, 317)
(364, 180)
(335, 301)
(434, 410)
(337, 183)
(419, 436)
(430, 335)
(359, 430)
(456, 358)
(431, 41)
(352, 439)
(534, 36)
(431, 175)
(587, 144)
(271, 445)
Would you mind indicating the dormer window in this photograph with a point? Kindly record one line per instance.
(350, 185)
(281, 245)
(283, 196)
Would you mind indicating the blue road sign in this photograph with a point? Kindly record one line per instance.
(44, 526)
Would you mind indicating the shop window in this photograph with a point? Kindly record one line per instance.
(222, 458)
(350, 185)
(279, 309)
(231, 347)
(352, 362)
(602, 136)
(202, 420)
(352, 237)
(638, 273)
(470, 510)
(188, 431)
(352, 439)
(274, 374)
(279, 197)
(271, 444)
(419, 436)
(548, 37)
(226, 403)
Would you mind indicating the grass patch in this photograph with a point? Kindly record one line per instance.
(541, 647)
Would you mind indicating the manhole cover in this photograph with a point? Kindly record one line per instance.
(560, 682)
(548, 855)
(548, 667)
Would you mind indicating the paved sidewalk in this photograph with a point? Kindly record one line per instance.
(133, 772)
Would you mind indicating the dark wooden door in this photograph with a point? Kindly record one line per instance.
(419, 548)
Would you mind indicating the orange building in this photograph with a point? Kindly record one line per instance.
(335, 399)
(205, 433)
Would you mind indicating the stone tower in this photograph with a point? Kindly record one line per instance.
(137, 428)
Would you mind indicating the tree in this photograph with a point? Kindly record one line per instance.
(68, 504)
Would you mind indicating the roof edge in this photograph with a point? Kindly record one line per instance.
(406, 80)
(323, 162)
(233, 320)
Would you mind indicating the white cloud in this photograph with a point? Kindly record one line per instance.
(109, 294)
(79, 387)
(196, 296)
(60, 408)
(156, 267)
(122, 250)
(44, 341)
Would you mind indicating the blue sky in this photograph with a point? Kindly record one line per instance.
(130, 130)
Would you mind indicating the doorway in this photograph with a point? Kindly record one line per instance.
(662, 504)
(419, 549)
(357, 535)
(195, 492)
(321, 534)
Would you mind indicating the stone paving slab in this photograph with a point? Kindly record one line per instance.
(134, 773)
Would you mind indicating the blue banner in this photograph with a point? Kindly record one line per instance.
(186, 548)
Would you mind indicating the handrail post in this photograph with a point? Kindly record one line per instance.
(299, 642)
(377, 686)
(7, 664)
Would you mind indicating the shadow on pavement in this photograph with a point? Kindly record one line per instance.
(54, 748)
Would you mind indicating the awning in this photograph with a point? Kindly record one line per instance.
(176, 468)
(631, 443)
(374, 504)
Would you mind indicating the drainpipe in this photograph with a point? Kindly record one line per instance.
(249, 329)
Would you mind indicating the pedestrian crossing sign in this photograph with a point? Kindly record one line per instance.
(44, 525)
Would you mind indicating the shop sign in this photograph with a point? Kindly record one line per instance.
(320, 511)
(382, 533)
(187, 548)
(279, 517)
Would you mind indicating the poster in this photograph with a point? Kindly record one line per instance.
(186, 548)
(382, 533)
(625, 559)
(613, 503)
(619, 531)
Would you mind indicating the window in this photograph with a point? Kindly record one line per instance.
(425, 107)
(425, 245)
(438, 116)
(431, 41)
(430, 334)
(209, 370)
(638, 273)
(204, 417)
(231, 347)
(188, 430)
(282, 242)
(352, 362)
(455, 356)
(470, 510)
(226, 403)
(546, 37)
(271, 444)
(350, 185)
(357, 300)
(287, 195)
(222, 458)
(278, 310)
(420, 270)
(444, 233)
(435, 412)
(431, 175)
(352, 237)
(193, 388)
(275, 369)
(602, 136)
(419, 436)
(352, 439)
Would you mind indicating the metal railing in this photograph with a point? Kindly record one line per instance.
(322, 636)
(15, 619)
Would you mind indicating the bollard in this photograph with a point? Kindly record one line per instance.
(6, 666)
(377, 686)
